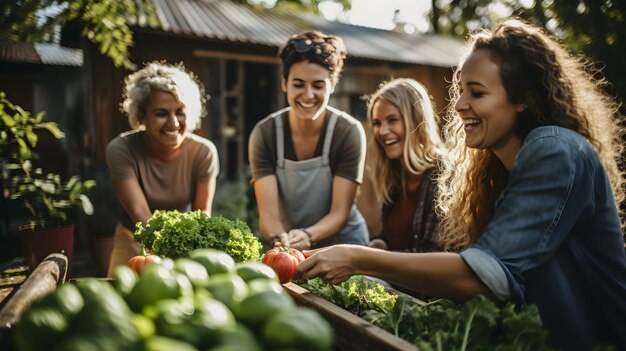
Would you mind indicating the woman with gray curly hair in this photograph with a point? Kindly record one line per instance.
(160, 164)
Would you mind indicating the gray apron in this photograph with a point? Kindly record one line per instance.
(306, 189)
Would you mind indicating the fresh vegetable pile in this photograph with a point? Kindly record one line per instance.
(174, 234)
(204, 302)
(441, 324)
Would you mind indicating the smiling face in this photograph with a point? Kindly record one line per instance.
(483, 105)
(165, 121)
(308, 89)
(388, 128)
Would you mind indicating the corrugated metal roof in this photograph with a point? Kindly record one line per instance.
(225, 20)
(18, 52)
(53, 54)
(40, 53)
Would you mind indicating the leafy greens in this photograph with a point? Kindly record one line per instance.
(174, 234)
(477, 324)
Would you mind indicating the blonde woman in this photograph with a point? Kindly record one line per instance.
(160, 164)
(529, 194)
(403, 148)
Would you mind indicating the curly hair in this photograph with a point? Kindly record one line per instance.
(557, 89)
(422, 143)
(316, 47)
(161, 76)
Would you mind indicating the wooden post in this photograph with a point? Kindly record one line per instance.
(50, 273)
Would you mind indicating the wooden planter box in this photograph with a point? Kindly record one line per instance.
(350, 331)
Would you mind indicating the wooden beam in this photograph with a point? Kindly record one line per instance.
(235, 56)
(49, 274)
(350, 331)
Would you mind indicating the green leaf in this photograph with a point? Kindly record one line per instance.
(47, 187)
(32, 137)
(86, 204)
(25, 152)
(53, 128)
(7, 120)
(39, 117)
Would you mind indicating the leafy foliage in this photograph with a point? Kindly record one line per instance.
(174, 234)
(356, 294)
(48, 199)
(45, 196)
(18, 133)
(105, 22)
(596, 29)
(441, 324)
(477, 324)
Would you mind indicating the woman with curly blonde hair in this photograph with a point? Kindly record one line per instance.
(160, 164)
(404, 147)
(529, 194)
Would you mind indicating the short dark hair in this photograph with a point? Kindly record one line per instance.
(316, 47)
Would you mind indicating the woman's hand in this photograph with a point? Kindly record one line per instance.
(281, 239)
(299, 239)
(333, 264)
(378, 244)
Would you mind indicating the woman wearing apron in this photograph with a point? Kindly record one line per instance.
(307, 159)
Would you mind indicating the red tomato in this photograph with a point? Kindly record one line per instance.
(297, 253)
(284, 261)
(138, 263)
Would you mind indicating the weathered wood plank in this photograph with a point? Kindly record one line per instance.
(351, 332)
(50, 273)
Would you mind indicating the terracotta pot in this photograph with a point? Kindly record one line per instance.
(38, 243)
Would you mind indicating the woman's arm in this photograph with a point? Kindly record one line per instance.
(343, 194)
(271, 219)
(133, 200)
(436, 274)
(205, 192)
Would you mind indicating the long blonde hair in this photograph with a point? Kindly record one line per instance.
(558, 89)
(422, 143)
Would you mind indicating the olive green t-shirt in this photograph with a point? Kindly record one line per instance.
(166, 185)
(346, 155)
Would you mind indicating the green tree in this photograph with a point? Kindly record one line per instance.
(104, 22)
(458, 17)
(593, 28)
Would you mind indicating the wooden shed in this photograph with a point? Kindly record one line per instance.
(232, 48)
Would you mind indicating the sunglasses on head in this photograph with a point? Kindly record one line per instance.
(303, 45)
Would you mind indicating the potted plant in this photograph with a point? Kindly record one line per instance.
(48, 200)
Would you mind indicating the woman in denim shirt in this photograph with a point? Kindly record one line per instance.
(529, 194)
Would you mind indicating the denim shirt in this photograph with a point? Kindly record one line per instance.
(555, 241)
